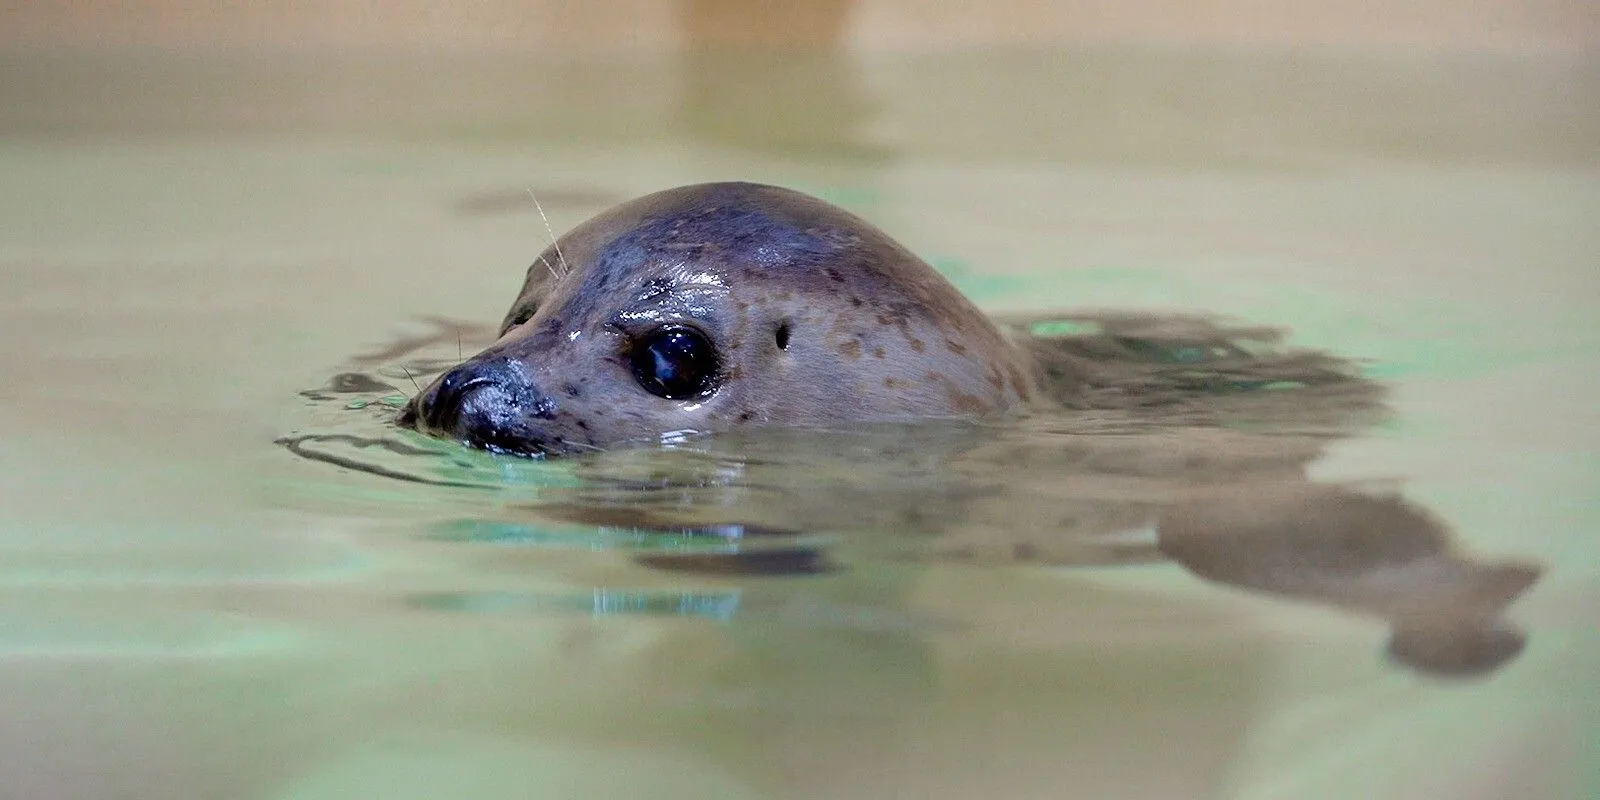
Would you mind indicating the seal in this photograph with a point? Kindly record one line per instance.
(716, 306)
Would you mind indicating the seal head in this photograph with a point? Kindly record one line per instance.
(715, 306)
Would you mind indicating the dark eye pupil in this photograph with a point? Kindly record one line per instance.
(675, 363)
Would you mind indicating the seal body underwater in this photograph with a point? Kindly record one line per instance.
(717, 306)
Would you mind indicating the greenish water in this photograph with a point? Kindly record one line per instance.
(189, 610)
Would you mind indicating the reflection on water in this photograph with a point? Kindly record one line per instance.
(1373, 554)
(1189, 442)
(600, 603)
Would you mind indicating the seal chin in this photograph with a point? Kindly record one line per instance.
(487, 404)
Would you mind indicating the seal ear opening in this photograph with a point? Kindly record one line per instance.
(782, 335)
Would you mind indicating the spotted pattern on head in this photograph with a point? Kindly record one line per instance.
(790, 291)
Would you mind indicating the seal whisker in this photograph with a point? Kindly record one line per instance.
(546, 263)
(560, 257)
(412, 378)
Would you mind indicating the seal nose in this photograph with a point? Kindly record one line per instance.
(489, 403)
(439, 408)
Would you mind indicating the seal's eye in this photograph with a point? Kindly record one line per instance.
(675, 362)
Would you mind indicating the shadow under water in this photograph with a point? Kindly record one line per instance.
(1187, 442)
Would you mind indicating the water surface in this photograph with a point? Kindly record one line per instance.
(192, 610)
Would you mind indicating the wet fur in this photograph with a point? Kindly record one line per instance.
(872, 332)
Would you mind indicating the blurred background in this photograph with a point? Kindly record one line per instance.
(1196, 81)
(207, 207)
(657, 25)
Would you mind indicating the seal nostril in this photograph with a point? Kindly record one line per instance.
(440, 409)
